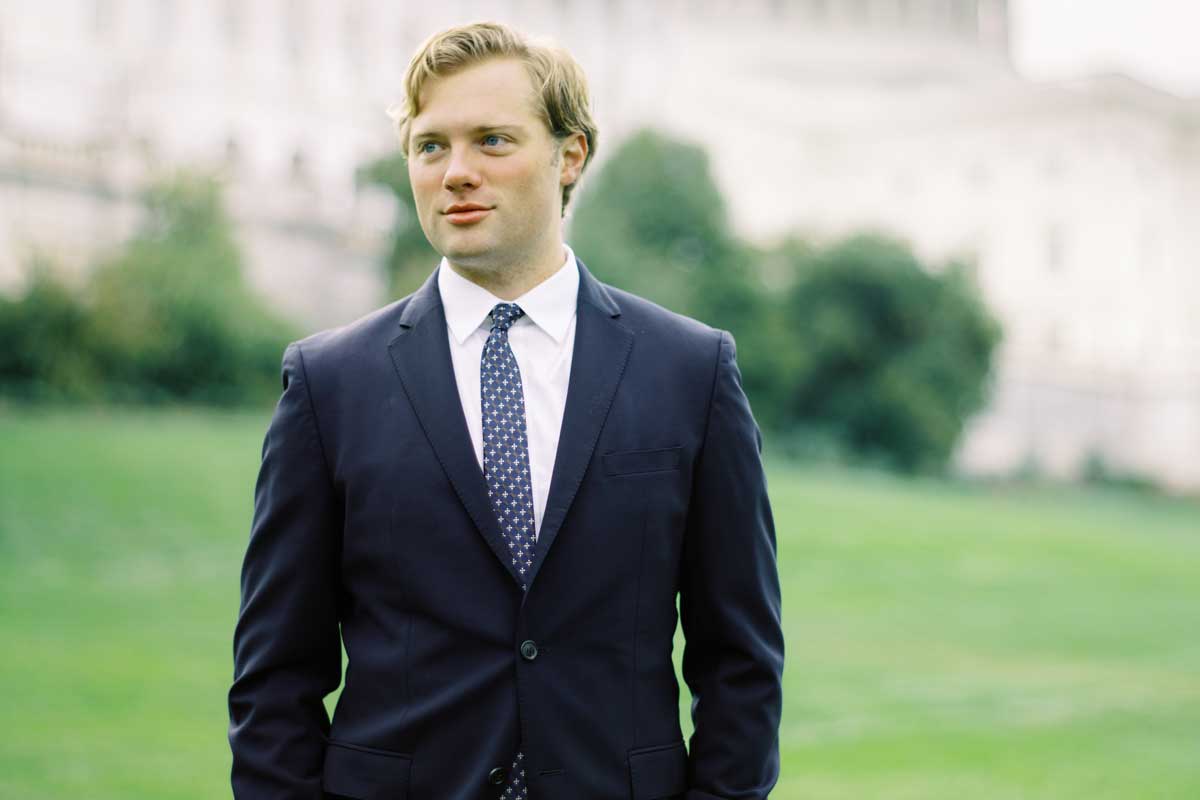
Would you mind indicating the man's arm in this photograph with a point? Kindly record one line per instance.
(730, 605)
(286, 648)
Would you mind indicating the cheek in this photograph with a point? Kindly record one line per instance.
(537, 187)
(425, 184)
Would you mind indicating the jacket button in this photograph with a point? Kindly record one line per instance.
(498, 776)
(528, 650)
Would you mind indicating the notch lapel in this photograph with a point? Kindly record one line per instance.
(602, 347)
(421, 355)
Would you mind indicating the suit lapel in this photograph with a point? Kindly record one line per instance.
(421, 354)
(602, 347)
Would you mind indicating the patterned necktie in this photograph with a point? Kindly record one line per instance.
(506, 466)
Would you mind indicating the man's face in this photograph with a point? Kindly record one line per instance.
(486, 173)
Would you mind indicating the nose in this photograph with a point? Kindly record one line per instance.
(461, 171)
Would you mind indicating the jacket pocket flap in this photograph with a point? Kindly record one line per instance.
(632, 462)
(658, 772)
(365, 773)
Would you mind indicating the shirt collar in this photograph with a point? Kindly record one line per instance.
(550, 305)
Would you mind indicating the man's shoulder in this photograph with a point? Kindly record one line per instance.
(345, 343)
(670, 328)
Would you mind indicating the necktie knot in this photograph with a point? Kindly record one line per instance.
(504, 315)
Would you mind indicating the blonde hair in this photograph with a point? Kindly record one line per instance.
(560, 84)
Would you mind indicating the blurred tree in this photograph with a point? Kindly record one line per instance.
(889, 356)
(172, 316)
(652, 221)
(410, 258)
(48, 351)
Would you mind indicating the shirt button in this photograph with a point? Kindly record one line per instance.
(498, 776)
(529, 650)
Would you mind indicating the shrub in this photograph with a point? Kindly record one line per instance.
(890, 356)
(167, 318)
(49, 348)
(652, 221)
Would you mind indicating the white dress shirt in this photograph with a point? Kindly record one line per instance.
(542, 341)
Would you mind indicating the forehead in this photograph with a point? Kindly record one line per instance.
(493, 92)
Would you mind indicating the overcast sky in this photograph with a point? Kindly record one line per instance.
(1155, 41)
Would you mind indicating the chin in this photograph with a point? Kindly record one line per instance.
(476, 255)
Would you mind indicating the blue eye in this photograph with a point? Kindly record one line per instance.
(492, 140)
(427, 147)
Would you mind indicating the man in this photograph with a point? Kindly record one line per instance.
(492, 492)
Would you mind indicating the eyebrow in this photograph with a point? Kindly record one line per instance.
(476, 131)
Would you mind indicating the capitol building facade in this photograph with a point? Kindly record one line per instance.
(1076, 204)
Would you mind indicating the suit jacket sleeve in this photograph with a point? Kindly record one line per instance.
(730, 604)
(287, 650)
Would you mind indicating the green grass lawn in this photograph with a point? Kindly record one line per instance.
(944, 640)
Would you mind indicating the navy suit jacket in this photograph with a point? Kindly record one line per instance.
(372, 528)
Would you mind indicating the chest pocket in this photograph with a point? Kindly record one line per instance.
(641, 462)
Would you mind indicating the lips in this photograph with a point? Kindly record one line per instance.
(466, 213)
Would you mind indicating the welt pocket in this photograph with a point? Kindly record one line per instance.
(635, 462)
(365, 773)
(659, 772)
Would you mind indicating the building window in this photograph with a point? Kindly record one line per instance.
(166, 19)
(233, 154)
(232, 22)
(886, 12)
(905, 184)
(1151, 251)
(1054, 167)
(352, 31)
(1053, 338)
(299, 169)
(993, 23)
(937, 13)
(1055, 248)
(101, 18)
(964, 17)
(295, 29)
(978, 176)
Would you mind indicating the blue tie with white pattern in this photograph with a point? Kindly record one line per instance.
(506, 466)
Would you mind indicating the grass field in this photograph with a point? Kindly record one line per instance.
(944, 640)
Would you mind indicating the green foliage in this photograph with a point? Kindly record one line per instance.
(48, 350)
(653, 222)
(891, 357)
(1098, 471)
(410, 257)
(168, 318)
(173, 314)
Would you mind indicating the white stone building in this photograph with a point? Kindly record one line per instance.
(1076, 202)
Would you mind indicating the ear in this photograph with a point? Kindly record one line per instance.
(574, 151)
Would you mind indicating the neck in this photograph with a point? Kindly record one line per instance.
(510, 281)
